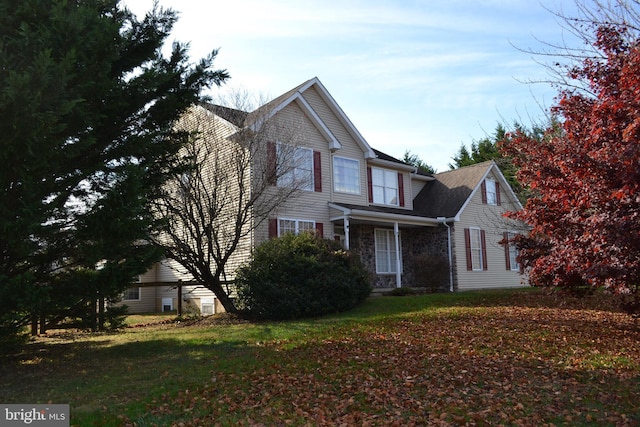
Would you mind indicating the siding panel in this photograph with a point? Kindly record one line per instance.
(488, 218)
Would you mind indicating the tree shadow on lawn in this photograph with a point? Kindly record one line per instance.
(106, 372)
(423, 371)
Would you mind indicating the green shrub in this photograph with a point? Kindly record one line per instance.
(431, 272)
(300, 276)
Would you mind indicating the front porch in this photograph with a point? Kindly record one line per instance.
(374, 235)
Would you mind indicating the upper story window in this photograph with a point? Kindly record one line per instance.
(490, 192)
(297, 166)
(384, 185)
(346, 175)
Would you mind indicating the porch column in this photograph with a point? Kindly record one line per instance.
(396, 235)
(346, 233)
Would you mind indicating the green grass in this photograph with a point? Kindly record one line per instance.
(494, 357)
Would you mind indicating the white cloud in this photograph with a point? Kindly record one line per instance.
(418, 74)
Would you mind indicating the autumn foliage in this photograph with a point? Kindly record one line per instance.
(585, 177)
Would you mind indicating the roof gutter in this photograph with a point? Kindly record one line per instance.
(391, 217)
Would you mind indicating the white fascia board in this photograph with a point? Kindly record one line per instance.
(419, 177)
(392, 165)
(334, 144)
(366, 148)
(382, 216)
(507, 187)
(503, 182)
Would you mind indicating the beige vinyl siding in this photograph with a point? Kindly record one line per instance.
(170, 271)
(226, 149)
(146, 303)
(151, 276)
(308, 205)
(416, 186)
(350, 148)
(406, 187)
(488, 218)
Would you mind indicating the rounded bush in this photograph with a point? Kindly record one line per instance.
(297, 276)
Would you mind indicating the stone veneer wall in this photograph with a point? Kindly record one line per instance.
(415, 241)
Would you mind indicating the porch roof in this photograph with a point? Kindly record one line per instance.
(380, 214)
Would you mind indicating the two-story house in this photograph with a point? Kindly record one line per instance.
(380, 207)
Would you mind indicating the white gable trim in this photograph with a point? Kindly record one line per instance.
(297, 97)
(324, 93)
(334, 144)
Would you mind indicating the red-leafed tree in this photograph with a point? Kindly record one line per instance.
(585, 176)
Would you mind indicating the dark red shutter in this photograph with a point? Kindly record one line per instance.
(483, 190)
(273, 228)
(467, 246)
(271, 164)
(401, 189)
(369, 184)
(317, 172)
(507, 258)
(320, 229)
(483, 242)
(498, 193)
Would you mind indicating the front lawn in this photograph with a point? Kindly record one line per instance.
(475, 358)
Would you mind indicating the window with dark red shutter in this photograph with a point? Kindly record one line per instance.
(401, 189)
(317, 172)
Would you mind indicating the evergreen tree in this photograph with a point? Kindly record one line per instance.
(488, 148)
(87, 104)
(414, 160)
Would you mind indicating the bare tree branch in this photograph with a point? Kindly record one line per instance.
(238, 169)
(579, 40)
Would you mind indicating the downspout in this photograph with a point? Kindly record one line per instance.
(443, 220)
(396, 234)
(346, 232)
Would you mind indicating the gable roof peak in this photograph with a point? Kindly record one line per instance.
(297, 94)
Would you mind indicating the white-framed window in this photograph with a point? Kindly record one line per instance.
(384, 185)
(131, 294)
(513, 263)
(207, 306)
(386, 251)
(298, 167)
(184, 186)
(346, 175)
(295, 226)
(475, 246)
(492, 196)
(167, 305)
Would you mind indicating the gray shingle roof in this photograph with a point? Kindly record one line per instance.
(387, 157)
(236, 117)
(449, 191)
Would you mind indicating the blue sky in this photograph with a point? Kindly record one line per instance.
(418, 75)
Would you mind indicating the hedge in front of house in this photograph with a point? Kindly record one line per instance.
(296, 276)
